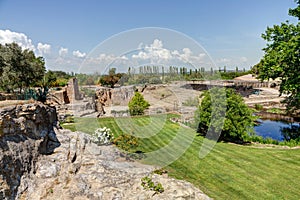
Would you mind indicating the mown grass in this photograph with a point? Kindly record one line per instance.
(229, 171)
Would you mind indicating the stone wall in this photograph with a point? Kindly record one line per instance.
(115, 96)
(112, 97)
(73, 90)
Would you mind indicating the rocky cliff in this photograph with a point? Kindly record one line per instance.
(26, 131)
(40, 161)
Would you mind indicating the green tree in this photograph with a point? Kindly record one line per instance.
(137, 105)
(282, 59)
(19, 68)
(49, 79)
(111, 79)
(238, 121)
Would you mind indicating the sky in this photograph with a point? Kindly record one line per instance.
(72, 35)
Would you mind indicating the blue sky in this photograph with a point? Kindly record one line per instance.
(229, 30)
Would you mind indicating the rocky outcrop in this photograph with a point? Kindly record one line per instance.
(26, 131)
(80, 169)
(40, 161)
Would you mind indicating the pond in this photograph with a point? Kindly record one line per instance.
(277, 130)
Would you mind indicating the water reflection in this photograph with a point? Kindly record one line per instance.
(277, 130)
(290, 133)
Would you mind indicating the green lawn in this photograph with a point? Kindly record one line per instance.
(229, 171)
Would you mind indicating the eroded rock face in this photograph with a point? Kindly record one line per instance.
(26, 131)
(40, 161)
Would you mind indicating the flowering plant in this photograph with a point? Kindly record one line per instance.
(102, 136)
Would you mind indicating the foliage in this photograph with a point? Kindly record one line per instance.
(276, 111)
(147, 183)
(160, 171)
(69, 119)
(232, 75)
(290, 142)
(281, 59)
(102, 136)
(238, 122)
(19, 68)
(87, 79)
(127, 142)
(111, 79)
(49, 79)
(137, 105)
(56, 78)
(258, 107)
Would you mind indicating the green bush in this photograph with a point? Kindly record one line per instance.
(127, 142)
(160, 171)
(258, 107)
(69, 119)
(137, 105)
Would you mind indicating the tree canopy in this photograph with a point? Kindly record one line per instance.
(111, 79)
(282, 59)
(19, 68)
(215, 105)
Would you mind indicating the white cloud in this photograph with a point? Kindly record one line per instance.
(244, 59)
(7, 36)
(63, 51)
(78, 54)
(153, 52)
(157, 53)
(43, 48)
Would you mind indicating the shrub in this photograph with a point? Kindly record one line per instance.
(69, 119)
(155, 80)
(102, 136)
(258, 107)
(137, 105)
(127, 142)
(160, 171)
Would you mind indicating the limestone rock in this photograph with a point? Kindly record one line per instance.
(40, 161)
(26, 132)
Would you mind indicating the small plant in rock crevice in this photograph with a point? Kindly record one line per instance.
(147, 183)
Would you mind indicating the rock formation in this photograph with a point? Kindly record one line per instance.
(68, 94)
(105, 97)
(26, 131)
(40, 161)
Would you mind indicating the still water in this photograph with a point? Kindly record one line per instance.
(277, 130)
